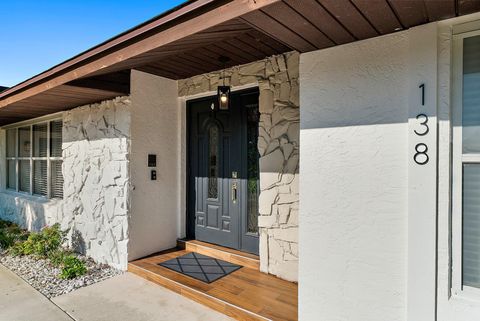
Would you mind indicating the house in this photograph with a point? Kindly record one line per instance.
(346, 155)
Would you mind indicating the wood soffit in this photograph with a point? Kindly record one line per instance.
(189, 39)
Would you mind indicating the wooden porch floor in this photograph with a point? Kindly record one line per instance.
(246, 294)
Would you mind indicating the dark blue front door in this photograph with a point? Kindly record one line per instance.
(223, 171)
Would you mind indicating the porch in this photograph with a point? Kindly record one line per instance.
(246, 294)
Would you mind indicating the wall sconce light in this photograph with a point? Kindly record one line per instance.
(223, 92)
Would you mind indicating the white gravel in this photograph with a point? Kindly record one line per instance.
(43, 276)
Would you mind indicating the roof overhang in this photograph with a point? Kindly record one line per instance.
(189, 39)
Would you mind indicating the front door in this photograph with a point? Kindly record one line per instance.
(223, 171)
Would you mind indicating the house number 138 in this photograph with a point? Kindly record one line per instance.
(421, 149)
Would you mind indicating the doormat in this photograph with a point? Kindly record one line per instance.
(201, 267)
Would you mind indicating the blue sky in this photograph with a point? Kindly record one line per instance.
(38, 34)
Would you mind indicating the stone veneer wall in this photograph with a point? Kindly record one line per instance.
(278, 144)
(30, 212)
(96, 144)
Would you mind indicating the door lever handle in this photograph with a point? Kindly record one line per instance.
(234, 192)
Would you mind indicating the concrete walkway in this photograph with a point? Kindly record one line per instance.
(130, 298)
(122, 298)
(20, 302)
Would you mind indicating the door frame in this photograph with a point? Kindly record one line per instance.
(190, 219)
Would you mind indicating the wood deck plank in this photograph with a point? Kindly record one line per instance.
(246, 294)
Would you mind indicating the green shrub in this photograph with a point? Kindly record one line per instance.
(10, 233)
(40, 244)
(44, 244)
(4, 224)
(72, 267)
(16, 249)
(57, 257)
(6, 239)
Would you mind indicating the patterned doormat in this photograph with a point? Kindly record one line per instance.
(200, 267)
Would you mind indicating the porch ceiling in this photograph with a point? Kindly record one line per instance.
(189, 39)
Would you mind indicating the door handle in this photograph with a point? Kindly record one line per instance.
(234, 192)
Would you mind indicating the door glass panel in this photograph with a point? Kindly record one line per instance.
(253, 178)
(213, 140)
(471, 95)
(471, 225)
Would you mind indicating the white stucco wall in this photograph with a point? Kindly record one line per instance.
(355, 263)
(155, 209)
(353, 181)
(96, 145)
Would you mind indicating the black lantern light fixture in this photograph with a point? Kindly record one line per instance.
(223, 92)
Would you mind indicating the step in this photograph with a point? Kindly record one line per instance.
(246, 294)
(222, 253)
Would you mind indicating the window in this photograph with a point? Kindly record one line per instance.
(34, 159)
(213, 143)
(466, 164)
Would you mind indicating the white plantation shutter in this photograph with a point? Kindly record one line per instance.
(11, 162)
(471, 169)
(11, 142)
(56, 187)
(12, 174)
(24, 144)
(40, 143)
(56, 176)
(40, 177)
(40, 149)
(34, 159)
(24, 172)
(56, 138)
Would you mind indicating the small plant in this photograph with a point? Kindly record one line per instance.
(10, 233)
(72, 267)
(46, 244)
(40, 244)
(57, 257)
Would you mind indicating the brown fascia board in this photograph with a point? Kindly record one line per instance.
(189, 18)
(163, 18)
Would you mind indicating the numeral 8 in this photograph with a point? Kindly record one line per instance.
(421, 154)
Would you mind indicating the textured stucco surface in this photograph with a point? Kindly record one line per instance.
(96, 144)
(155, 130)
(31, 212)
(277, 79)
(354, 178)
